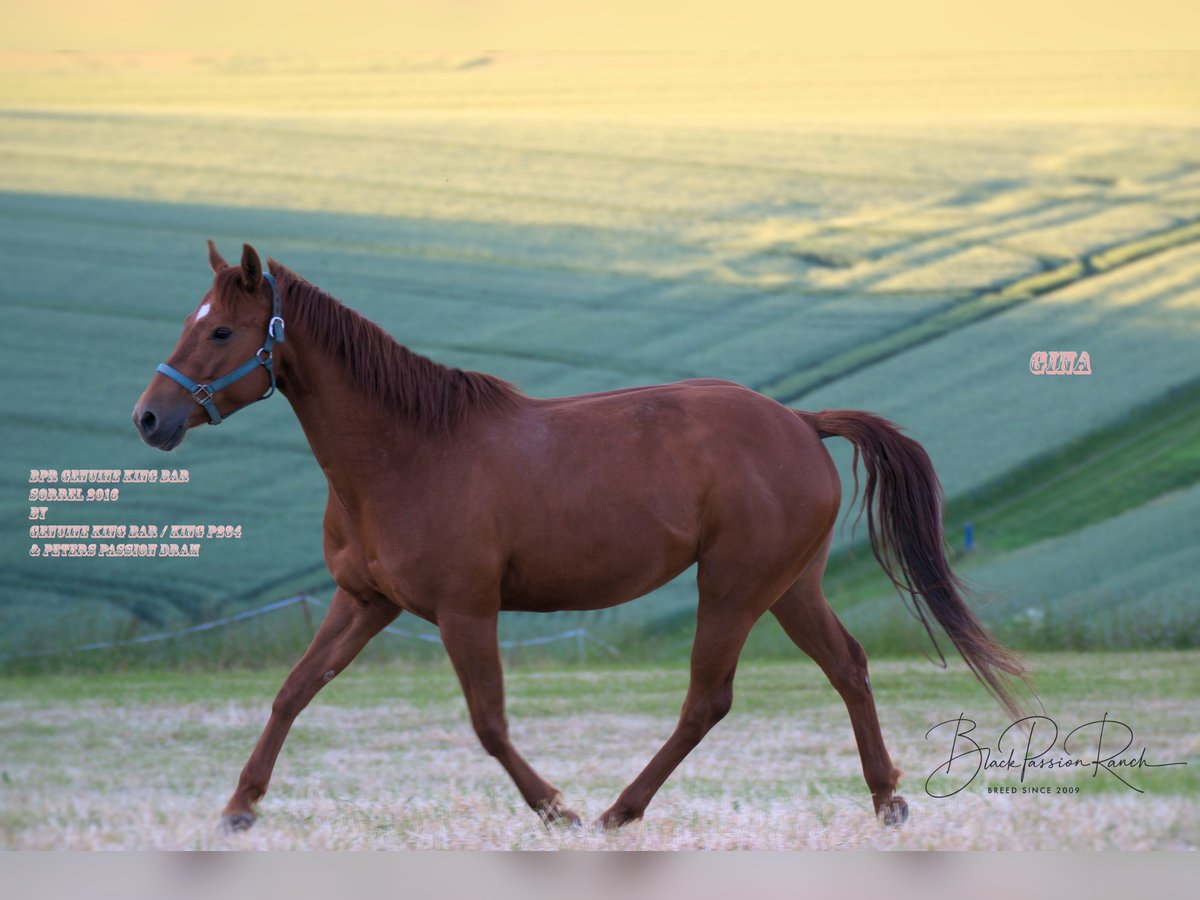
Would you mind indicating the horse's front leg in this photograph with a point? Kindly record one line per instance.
(349, 624)
(471, 642)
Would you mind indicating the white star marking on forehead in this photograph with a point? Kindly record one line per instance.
(203, 311)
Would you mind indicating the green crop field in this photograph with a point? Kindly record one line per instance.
(572, 245)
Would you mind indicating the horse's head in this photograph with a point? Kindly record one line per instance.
(223, 359)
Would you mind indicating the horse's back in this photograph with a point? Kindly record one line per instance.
(696, 421)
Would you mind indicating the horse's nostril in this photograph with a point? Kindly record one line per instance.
(147, 422)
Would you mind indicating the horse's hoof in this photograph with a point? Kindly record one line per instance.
(554, 813)
(238, 821)
(561, 816)
(566, 818)
(613, 818)
(894, 811)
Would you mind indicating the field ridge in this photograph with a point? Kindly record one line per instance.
(796, 386)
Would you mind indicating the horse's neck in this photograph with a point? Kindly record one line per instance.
(351, 438)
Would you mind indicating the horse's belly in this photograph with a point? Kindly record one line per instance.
(591, 578)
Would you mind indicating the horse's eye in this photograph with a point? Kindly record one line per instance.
(221, 334)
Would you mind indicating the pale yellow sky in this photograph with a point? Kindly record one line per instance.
(699, 85)
(828, 28)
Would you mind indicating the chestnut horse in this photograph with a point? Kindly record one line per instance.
(454, 496)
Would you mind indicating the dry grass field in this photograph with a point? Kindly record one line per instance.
(385, 759)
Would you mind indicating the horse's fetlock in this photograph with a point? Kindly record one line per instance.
(628, 812)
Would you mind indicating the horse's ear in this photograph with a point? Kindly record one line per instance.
(215, 259)
(251, 269)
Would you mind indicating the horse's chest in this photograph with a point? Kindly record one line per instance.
(344, 555)
(368, 555)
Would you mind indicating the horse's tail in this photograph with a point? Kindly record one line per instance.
(903, 501)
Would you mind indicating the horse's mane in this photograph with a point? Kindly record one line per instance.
(430, 396)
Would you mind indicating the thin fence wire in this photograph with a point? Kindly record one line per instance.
(579, 634)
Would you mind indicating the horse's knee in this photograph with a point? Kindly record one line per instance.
(289, 702)
(702, 714)
(297, 692)
(722, 702)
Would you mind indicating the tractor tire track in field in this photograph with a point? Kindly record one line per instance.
(796, 386)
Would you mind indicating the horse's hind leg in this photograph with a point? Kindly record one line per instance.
(722, 624)
(471, 642)
(349, 625)
(812, 625)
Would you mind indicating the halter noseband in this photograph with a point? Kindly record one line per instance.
(203, 393)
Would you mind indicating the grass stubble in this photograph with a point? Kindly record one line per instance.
(385, 759)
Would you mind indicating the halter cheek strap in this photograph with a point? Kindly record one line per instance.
(203, 393)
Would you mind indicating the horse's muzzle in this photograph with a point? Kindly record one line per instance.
(164, 431)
